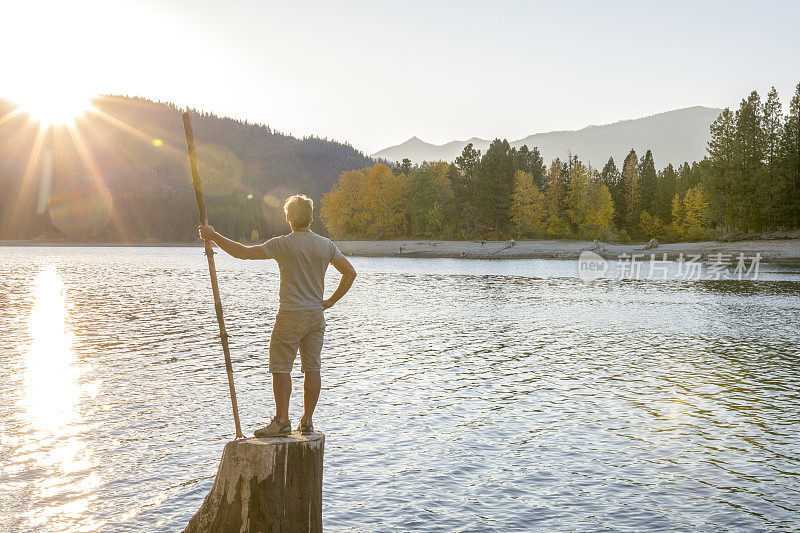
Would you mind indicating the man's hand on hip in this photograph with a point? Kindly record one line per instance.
(326, 304)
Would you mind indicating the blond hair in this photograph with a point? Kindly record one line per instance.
(298, 209)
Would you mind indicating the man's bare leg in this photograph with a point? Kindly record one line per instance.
(282, 390)
(312, 382)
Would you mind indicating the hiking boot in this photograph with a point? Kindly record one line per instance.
(274, 429)
(305, 427)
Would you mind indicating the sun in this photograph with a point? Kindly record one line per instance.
(54, 106)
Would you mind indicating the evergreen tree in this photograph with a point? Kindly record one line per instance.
(463, 182)
(748, 152)
(404, 167)
(612, 179)
(666, 186)
(723, 173)
(429, 200)
(495, 184)
(647, 181)
(531, 161)
(569, 165)
(772, 127)
(610, 174)
(631, 207)
(790, 164)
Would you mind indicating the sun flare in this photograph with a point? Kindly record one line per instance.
(53, 106)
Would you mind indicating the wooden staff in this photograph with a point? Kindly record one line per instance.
(212, 269)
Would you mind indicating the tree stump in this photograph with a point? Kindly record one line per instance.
(263, 485)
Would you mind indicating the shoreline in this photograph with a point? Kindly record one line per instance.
(782, 250)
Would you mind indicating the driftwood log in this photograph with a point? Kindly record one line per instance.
(265, 485)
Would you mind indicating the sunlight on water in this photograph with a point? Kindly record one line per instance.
(51, 391)
(51, 402)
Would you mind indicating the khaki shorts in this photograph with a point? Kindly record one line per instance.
(292, 330)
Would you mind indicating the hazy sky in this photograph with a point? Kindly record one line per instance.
(375, 73)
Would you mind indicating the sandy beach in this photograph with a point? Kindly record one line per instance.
(778, 250)
(786, 250)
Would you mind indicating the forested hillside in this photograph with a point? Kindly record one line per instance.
(120, 174)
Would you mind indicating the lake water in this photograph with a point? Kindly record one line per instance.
(458, 395)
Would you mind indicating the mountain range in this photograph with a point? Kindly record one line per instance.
(674, 137)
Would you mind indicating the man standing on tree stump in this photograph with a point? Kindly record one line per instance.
(303, 257)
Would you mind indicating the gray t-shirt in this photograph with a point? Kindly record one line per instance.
(303, 258)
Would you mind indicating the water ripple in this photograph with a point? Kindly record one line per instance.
(458, 395)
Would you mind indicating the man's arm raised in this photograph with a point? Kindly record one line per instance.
(233, 248)
(348, 275)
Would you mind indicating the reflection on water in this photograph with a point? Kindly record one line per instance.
(50, 443)
(51, 388)
(459, 395)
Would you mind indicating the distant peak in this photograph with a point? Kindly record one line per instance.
(674, 135)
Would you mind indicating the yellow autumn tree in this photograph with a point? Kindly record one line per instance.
(694, 207)
(651, 226)
(689, 214)
(554, 222)
(367, 203)
(599, 213)
(677, 211)
(589, 205)
(527, 206)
